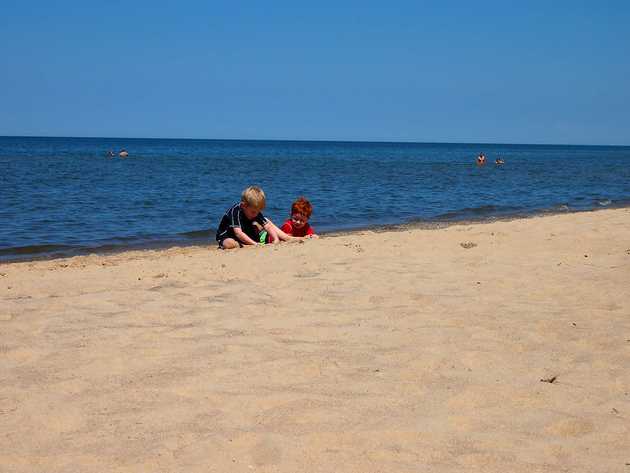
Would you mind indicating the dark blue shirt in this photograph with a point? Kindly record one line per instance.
(235, 218)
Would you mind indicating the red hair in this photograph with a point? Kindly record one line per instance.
(302, 206)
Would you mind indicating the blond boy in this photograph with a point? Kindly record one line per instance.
(237, 227)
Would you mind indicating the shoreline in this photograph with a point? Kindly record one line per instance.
(172, 243)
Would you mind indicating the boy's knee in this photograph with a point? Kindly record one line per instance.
(229, 244)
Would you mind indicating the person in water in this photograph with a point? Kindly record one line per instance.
(238, 227)
(499, 162)
(123, 153)
(481, 159)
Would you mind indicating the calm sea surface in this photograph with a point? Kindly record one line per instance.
(65, 196)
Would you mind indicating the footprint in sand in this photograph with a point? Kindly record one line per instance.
(168, 285)
(612, 307)
(376, 299)
(266, 453)
(468, 245)
(356, 247)
(570, 428)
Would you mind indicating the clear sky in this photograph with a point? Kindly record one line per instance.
(483, 71)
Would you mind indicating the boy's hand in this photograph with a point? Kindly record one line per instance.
(242, 236)
(272, 232)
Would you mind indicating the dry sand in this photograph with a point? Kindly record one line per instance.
(400, 351)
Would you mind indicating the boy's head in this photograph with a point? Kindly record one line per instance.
(301, 211)
(252, 201)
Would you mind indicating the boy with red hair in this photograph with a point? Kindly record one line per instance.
(297, 225)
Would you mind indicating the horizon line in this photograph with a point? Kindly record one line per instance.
(318, 140)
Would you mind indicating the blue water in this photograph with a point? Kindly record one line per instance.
(63, 195)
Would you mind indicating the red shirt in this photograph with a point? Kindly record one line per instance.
(296, 232)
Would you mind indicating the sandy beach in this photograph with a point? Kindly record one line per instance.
(496, 347)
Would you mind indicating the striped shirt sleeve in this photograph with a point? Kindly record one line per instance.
(261, 219)
(235, 216)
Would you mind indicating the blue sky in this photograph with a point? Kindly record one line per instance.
(510, 72)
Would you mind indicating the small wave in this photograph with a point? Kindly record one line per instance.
(196, 234)
(35, 250)
(478, 212)
(120, 243)
(604, 202)
(554, 209)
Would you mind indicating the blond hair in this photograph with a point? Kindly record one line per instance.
(254, 197)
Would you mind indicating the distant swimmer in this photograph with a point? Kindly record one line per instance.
(481, 159)
(110, 154)
(123, 153)
(499, 162)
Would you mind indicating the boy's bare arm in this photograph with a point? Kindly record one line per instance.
(272, 230)
(242, 236)
(280, 235)
(283, 236)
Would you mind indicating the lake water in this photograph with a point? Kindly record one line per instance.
(65, 196)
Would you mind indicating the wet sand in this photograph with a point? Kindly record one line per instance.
(405, 351)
